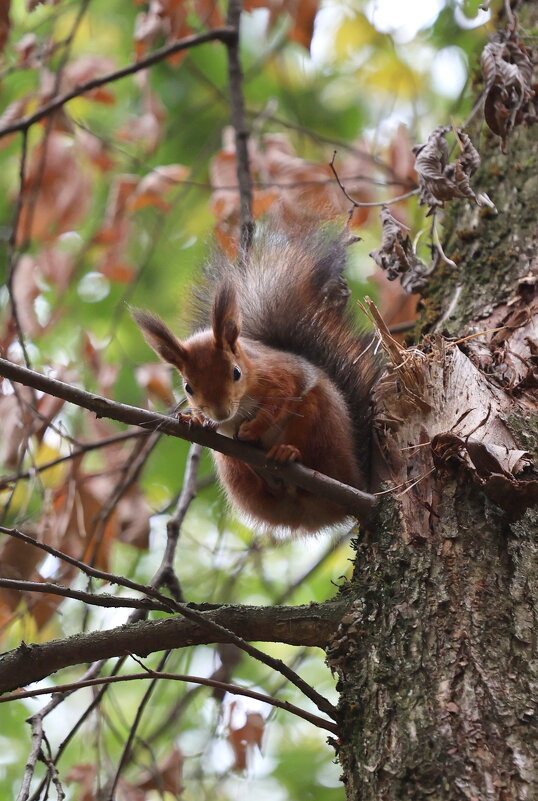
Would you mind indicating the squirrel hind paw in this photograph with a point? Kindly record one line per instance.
(284, 453)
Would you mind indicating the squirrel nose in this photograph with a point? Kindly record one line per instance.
(220, 413)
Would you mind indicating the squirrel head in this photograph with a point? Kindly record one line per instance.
(212, 363)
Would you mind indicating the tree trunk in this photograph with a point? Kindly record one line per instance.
(437, 662)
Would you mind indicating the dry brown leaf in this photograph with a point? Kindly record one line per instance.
(156, 379)
(56, 193)
(157, 183)
(246, 738)
(145, 130)
(26, 47)
(73, 523)
(397, 257)
(302, 13)
(18, 560)
(56, 266)
(5, 23)
(25, 291)
(116, 228)
(208, 12)
(96, 149)
(85, 776)
(167, 775)
(19, 420)
(509, 95)
(163, 17)
(134, 514)
(440, 180)
(85, 69)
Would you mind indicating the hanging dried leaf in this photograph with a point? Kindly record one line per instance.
(167, 776)
(85, 69)
(27, 48)
(302, 13)
(156, 379)
(5, 23)
(440, 180)
(208, 12)
(56, 192)
(509, 95)
(145, 129)
(157, 183)
(19, 561)
(163, 17)
(96, 149)
(246, 738)
(397, 257)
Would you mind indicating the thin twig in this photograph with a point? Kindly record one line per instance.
(233, 689)
(359, 204)
(126, 753)
(106, 600)
(224, 35)
(166, 574)
(237, 108)
(5, 481)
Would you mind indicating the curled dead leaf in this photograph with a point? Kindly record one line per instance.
(493, 467)
(157, 183)
(441, 180)
(509, 95)
(397, 257)
(244, 739)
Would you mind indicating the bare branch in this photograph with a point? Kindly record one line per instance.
(233, 689)
(217, 630)
(5, 481)
(311, 625)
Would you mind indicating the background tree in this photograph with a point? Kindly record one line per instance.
(109, 170)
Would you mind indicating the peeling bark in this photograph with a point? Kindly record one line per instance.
(437, 658)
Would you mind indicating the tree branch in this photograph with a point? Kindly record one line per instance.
(311, 625)
(355, 502)
(225, 35)
(233, 689)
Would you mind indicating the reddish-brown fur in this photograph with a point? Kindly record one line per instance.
(274, 398)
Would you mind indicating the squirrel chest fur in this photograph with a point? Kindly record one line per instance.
(281, 366)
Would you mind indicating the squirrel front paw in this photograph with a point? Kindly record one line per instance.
(284, 453)
(195, 419)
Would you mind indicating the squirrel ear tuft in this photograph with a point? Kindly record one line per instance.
(160, 338)
(226, 321)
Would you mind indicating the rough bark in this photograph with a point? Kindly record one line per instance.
(437, 659)
(309, 625)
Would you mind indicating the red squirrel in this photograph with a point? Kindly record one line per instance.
(281, 366)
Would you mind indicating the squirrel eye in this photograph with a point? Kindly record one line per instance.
(236, 373)
(188, 389)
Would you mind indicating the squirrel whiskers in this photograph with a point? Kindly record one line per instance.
(276, 360)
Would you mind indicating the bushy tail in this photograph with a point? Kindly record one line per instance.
(293, 296)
